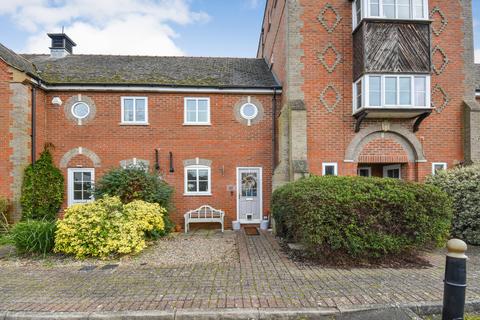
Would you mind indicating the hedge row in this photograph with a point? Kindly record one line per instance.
(361, 218)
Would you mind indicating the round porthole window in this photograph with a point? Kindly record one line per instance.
(80, 110)
(249, 111)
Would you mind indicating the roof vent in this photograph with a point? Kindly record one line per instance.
(62, 45)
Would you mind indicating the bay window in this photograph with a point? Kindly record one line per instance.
(392, 91)
(389, 9)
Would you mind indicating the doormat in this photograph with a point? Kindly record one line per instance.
(251, 231)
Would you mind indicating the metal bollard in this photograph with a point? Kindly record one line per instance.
(455, 281)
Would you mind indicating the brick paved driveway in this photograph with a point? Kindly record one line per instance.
(262, 276)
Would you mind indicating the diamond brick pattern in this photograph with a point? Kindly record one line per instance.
(435, 14)
(445, 61)
(438, 91)
(323, 54)
(323, 98)
(322, 17)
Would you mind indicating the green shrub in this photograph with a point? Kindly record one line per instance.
(360, 218)
(107, 227)
(42, 189)
(4, 224)
(136, 183)
(463, 185)
(33, 236)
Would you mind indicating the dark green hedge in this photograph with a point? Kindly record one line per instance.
(463, 185)
(361, 218)
(42, 189)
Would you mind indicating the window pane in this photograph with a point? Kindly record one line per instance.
(389, 9)
(358, 7)
(77, 195)
(420, 91)
(329, 170)
(77, 176)
(77, 186)
(374, 94)
(405, 91)
(203, 186)
(87, 195)
(128, 110)
(140, 110)
(374, 8)
(191, 111)
(418, 9)
(191, 174)
(87, 176)
(391, 91)
(359, 94)
(203, 174)
(191, 186)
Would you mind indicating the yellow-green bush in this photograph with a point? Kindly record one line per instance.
(107, 227)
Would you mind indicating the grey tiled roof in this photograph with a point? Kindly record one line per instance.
(149, 70)
(15, 60)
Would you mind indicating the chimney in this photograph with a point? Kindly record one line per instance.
(62, 45)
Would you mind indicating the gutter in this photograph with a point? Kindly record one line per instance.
(157, 88)
(34, 124)
(274, 129)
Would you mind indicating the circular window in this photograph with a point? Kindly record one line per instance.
(80, 110)
(249, 111)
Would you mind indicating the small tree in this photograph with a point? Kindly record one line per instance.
(136, 183)
(42, 189)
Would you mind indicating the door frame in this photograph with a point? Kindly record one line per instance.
(392, 167)
(259, 192)
(70, 173)
(365, 168)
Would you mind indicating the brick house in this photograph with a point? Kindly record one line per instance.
(370, 87)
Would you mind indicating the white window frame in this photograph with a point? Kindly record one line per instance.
(122, 121)
(366, 92)
(330, 164)
(197, 193)
(196, 123)
(365, 11)
(365, 168)
(70, 174)
(443, 164)
(393, 167)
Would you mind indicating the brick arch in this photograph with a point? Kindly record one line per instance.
(367, 140)
(69, 155)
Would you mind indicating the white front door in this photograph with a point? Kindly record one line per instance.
(80, 183)
(393, 171)
(249, 195)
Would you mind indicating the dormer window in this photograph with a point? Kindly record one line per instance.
(389, 9)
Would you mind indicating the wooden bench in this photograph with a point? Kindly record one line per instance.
(204, 214)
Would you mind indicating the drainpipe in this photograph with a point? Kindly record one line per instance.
(34, 123)
(274, 128)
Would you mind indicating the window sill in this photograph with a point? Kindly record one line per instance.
(197, 124)
(134, 124)
(197, 194)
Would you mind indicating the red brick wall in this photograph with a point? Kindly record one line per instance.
(5, 120)
(329, 134)
(226, 142)
(383, 151)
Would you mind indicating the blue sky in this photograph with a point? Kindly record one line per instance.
(152, 27)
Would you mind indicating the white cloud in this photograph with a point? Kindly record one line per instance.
(477, 55)
(253, 4)
(104, 26)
